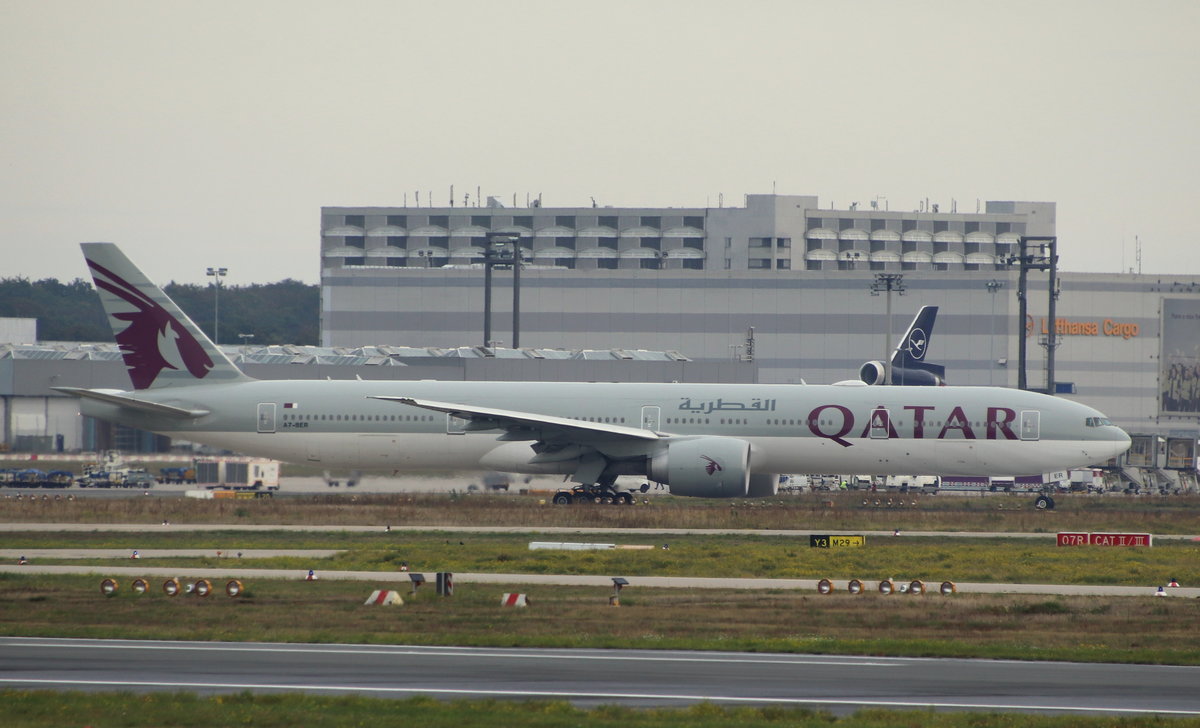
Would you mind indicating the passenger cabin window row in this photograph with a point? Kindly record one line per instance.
(357, 418)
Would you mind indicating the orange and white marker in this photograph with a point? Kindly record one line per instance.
(514, 600)
(384, 597)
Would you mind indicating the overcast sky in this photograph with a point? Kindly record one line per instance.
(197, 134)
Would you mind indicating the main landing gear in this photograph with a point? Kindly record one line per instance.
(593, 494)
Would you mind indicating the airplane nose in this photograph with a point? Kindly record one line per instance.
(1118, 441)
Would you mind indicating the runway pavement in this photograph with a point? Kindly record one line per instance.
(37, 527)
(590, 677)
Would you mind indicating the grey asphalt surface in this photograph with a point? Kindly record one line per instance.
(785, 533)
(590, 677)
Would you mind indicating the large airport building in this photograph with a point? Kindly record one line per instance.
(777, 290)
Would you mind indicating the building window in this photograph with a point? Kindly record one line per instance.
(481, 220)
(783, 264)
(440, 220)
(395, 262)
(609, 221)
(523, 221)
(695, 243)
(814, 223)
(610, 243)
(694, 221)
(652, 243)
(759, 264)
(760, 242)
(355, 261)
(397, 241)
(607, 263)
(693, 264)
(356, 241)
(653, 221)
(941, 226)
(650, 263)
(908, 226)
(397, 220)
(783, 242)
(878, 223)
(845, 223)
(1003, 227)
(355, 220)
(971, 226)
(565, 220)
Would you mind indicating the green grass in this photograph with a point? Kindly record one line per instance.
(1085, 629)
(1159, 515)
(906, 557)
(43, 709)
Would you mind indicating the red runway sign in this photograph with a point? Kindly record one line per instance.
(1105, 539)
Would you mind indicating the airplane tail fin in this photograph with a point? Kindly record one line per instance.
(910, 352)
(161, 346)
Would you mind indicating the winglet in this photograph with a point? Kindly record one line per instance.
(161, 346)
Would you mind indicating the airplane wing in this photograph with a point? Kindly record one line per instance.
(122, 400)
(487, 418)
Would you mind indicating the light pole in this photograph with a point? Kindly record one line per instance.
(245, 340)
(217, 274)
(993, 287)
(888, 282)
(494, 253)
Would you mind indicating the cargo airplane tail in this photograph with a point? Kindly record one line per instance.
(708, 440)
(908, 360)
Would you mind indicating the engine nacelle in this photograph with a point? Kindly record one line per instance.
(929, 375)
(873, 372)
(763, 485)
(704, 467)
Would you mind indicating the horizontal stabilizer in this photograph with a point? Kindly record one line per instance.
(128, 402)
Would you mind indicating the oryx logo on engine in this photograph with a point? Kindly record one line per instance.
(711, 466)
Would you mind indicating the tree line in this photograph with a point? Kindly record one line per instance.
(286, 312)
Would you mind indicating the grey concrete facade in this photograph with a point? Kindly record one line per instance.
(799, 275)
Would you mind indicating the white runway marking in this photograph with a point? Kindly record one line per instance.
(596, 696)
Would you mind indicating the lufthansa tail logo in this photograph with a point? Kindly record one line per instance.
(711, 466)
(917, 341)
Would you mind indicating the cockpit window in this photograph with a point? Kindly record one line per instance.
(1097, 421)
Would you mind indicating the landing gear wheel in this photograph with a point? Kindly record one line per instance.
(562, 499)
(625, 499)
(1044, 503)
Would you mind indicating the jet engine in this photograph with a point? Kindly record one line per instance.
(704, 467)
(872, 372)
(763, 485)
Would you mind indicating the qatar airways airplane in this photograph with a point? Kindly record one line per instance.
(708, 440)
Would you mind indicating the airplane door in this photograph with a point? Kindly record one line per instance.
(266, 416)
(1031, 421)
(456, 425)
(651, 418)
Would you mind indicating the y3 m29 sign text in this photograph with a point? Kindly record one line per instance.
(1105, 539)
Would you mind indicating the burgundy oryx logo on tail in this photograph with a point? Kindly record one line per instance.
(153, 340)
(711, 466)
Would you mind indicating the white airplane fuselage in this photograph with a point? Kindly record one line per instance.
(791, 428)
